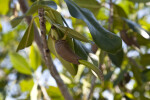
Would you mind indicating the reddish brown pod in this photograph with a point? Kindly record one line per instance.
(128, 40)
(66, 52)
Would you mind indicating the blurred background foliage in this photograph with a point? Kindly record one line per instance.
(23, 75)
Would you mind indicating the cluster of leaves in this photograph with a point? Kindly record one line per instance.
(110, 54)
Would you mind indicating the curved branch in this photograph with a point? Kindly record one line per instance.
(42, 44)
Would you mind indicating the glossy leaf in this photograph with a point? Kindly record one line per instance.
(28, 37)
(145, 59)
(20, 63)
(35, 58)
(137, 28)
(46, 4)
(80, 49)
(117, 58)
(92, 67)
(105, 39)
(72, 33)
(67, 65)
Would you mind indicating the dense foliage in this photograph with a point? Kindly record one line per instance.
(101, 49)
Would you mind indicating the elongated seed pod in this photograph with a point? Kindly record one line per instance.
(66, 52)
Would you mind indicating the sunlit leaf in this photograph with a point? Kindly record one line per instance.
(105, 39)
(35, 58)
(137, 28)
(28, 37)
(26, 85)
(54, 93)
(117, 10)
(92, 67)
(20, 63)
(4, 6)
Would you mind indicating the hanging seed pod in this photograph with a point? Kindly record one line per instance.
(66, 52)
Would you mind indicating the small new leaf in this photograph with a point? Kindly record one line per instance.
(28, 37)
(72, 33)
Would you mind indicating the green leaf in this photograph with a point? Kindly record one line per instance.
(34, 7)
(145, 59)
(28, 37)
(72, 33)
(120, 77)
(117, 58)
(16, 21)
(46, 4)
(53, 16)
(92, 67)
(35, 58)
(137, 28)
(136, 73)
(20, 63)
(105, 39)
(80, 49)
(92, 5)
(26, 85)
(145, 75)
(108, 75)
(140, 1)
(4, 7)
(119, 11)
(54, 93)
(67, 65)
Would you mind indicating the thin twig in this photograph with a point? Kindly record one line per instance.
(46, 96)
(48, 59)
(46, 55)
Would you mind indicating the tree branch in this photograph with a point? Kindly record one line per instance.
(110, 15)
(45, 50)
